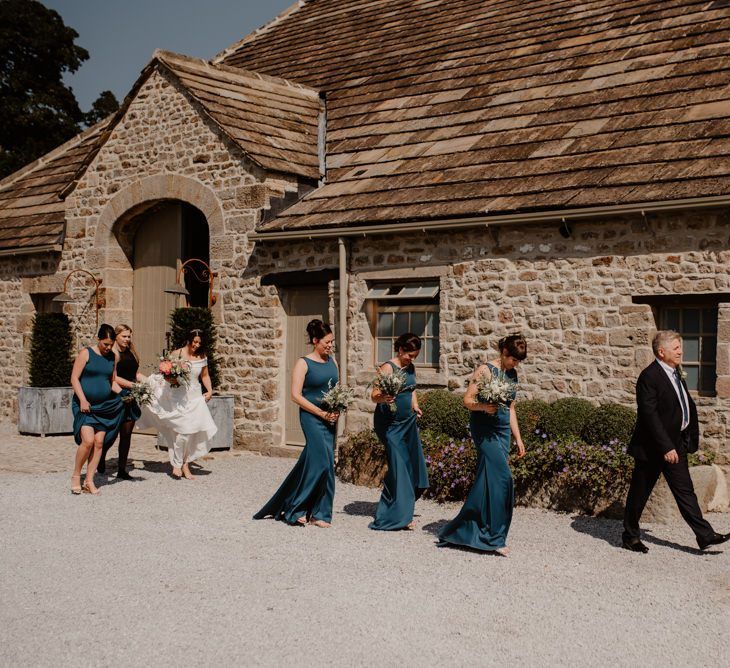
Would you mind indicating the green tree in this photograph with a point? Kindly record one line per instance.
(38, 111)
(103, 106)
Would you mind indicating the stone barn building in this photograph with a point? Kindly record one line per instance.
(463, 169)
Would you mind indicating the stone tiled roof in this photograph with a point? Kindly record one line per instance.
(275, 122)
(439, 109)
(32, 213)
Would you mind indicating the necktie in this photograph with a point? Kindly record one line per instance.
(685, 411)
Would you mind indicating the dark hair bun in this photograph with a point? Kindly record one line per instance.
(316, 329)
(106, 332)
(515, 345)
(409, 342)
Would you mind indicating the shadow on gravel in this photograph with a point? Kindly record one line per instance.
(648, 538)
(361, 508)
(603, 529)
(434, 527)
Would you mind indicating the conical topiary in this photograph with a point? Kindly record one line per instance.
(51, 354)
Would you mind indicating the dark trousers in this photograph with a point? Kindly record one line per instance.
(677, 476)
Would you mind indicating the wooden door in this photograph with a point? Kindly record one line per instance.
(301, 306)
(157, 250)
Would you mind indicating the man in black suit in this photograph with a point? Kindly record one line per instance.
(666, 430)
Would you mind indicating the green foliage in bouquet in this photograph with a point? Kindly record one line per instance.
(444, 412)
(609, 422)
(182, 320)
(51, 354)
(566, 417)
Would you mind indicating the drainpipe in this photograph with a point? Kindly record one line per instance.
(342, 329)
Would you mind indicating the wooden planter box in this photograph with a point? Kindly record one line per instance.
(45, 410)
(221, 408)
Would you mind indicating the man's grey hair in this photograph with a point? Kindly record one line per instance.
(663, 338)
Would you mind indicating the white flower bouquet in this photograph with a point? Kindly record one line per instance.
(495, 389)
(337, 398)
(390, 384)
(141, 393)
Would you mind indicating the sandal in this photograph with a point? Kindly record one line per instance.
(87, 489)
(75, 489)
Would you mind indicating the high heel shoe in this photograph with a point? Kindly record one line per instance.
(87, 489)
(75, 489)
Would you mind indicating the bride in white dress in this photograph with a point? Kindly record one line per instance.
(180, 414)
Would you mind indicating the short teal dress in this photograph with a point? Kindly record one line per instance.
(485, 518)
(407, 475)
(309, 490)
(107, 410)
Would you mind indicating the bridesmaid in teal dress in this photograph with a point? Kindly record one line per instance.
(484, 520)
(407, 476)
(97, 408)
(307, 493)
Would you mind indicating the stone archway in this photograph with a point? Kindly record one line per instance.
(112, 250)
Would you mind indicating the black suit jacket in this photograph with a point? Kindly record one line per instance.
(659, 417)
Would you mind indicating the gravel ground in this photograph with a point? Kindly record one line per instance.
(177, 573)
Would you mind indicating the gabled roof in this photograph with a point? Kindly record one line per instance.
(475, 108)
(32, 213)
(275, 122)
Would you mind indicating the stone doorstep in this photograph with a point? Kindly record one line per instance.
(710, 486)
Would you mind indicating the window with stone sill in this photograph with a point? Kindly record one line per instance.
(398, 308)
(697, 323)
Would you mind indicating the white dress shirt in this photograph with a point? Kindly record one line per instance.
(670, 374)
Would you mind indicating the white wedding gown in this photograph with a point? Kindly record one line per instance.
(180, 415)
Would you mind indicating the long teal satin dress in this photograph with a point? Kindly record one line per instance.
(107, 410)
(407, 476)
(309, 489)
(484, 519)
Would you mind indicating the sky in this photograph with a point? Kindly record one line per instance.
(121, 35)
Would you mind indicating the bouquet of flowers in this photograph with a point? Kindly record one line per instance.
(174, 371)
(141, 393)
(390, 384)
(497, 389)
(337, 398)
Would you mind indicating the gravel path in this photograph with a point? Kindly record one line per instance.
(166, 572)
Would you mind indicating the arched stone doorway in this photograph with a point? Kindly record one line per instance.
(166, 235)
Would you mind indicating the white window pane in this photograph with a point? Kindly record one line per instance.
(418, 323)
(401, 324)
(432, 352)
(377, 291)
(385, 324)
(410, 290)
(385, 350)
(692, 379)
(432, 324)
(691, 349)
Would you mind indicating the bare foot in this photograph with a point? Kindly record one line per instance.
(186, 473)
(176, 473)
(75, 484)
(411, 526)
(302, 521)
(320, 523)
(503, 551)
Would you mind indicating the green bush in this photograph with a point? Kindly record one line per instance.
(566, 417)
(609, 423)
(451, 466)
(51, 354)
(361, 459)
(182, 320)
(444, 412)
(529, 416)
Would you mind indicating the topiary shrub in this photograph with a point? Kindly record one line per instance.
(610, 423)
(529, 416)
(444, 412)
(51, 354)
(182, 320)
(566, 417)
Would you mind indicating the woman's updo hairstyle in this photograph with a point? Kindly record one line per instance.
(409, 342)
(515, 345)
(316, 329)
(106, 332)
(191, 337)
